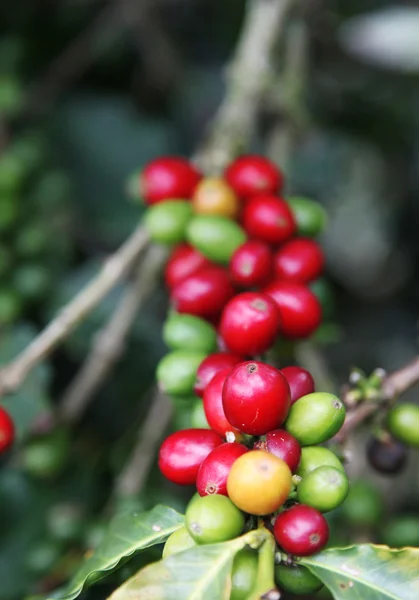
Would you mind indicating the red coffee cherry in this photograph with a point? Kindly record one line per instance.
(269, 218)
(210, 366)
(300, 260)
(7, 430)
(168, 177)
(256, 398)
(213, 405)
(204, 293)
(299, 308)
(251, 175)
(183, 261)
(251, 265)
(283, 445)
(301, 530)
(182, 453)
(300, 380)
(213, 472)
(249, 323)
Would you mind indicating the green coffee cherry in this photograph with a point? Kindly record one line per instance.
(325, 488)
(45, 456)
(213, 519)
(325, 295)
(402, 531)
(403, 423)
(363, 506)
(10, 306)
(215, 237)
(297, 579)
(243, 575)
(166, 222)
(176, 371)
(32, 281)
(179, 541)
(315, 418)
(310, 216)
(313, 457)
(187, 332)
(198, 418)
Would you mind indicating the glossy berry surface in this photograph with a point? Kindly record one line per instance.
(168, 177)
(251, 264)
(204, 293)
(249, 323)
(256, 398)
(282, 444)
(243, 574)
(210, 366)
(310, 215)
(387, 456)
(315, 418)
(268, 218)
(183, 261)
(403, 423)
(176, 371)
(213, 519)
(300, 259)
(213, 196)
(301, 530)
(187, 332)
(7, 430)
(300, 380)
(215, 236)
(325, 488)
(297, 579)
(250, 175)
(166, 222)
(182, 453)
(213, 405)
(299, 308)
(213, 472)
(259, 482)
(313, 457)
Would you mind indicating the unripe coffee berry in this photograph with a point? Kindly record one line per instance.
(213, 196)
(315, 418)
(213, 519)
(215, 237)
(324, 488)
(403, 423)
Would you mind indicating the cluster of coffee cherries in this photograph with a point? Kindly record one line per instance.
(239, 278)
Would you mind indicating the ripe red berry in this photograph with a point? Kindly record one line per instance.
(283, 445)
(210, 366)
(183, 261)
(213, 404)
(168, 177)
(301, 530)
(251, 175)
(269, 218)
(182, 453)
(204, 293)
(300, 260)
(300, 380)
(249, 323)
(7, 430)
(256, 398)
(299, 308)
(213, 472)
(251, 265)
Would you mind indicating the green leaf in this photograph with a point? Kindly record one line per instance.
(368, 572)
(200, 573)
(128, 533)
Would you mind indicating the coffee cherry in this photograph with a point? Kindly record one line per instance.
(197, 415)
(324, 292)
(46, 455)
(176, 371)
(251, 264)
(268, 218)
(243, 574)
(213, 519)
(301, 530)
(363, 506)
(183, 261)
(297, 579)
(213, 406)
(7, 430)
(249, 323)
(251, 175)
(215, 237)
(213, 472)
(210, 366)
(283, 445)
(299, 309)
(310, 215)
(315, 418)
(301, 382)
(186, 332)
(256, 398)
(313, 457)
(324, 488)
(204, 293)
(402, 531)
(168, 177)
(403, 423)
(387, 456)
(213, 196)
(166, 222)
(259, 482)
(182, 453)
(300, 260)
(179, 541)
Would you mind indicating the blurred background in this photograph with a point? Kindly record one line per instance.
(92, 90)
